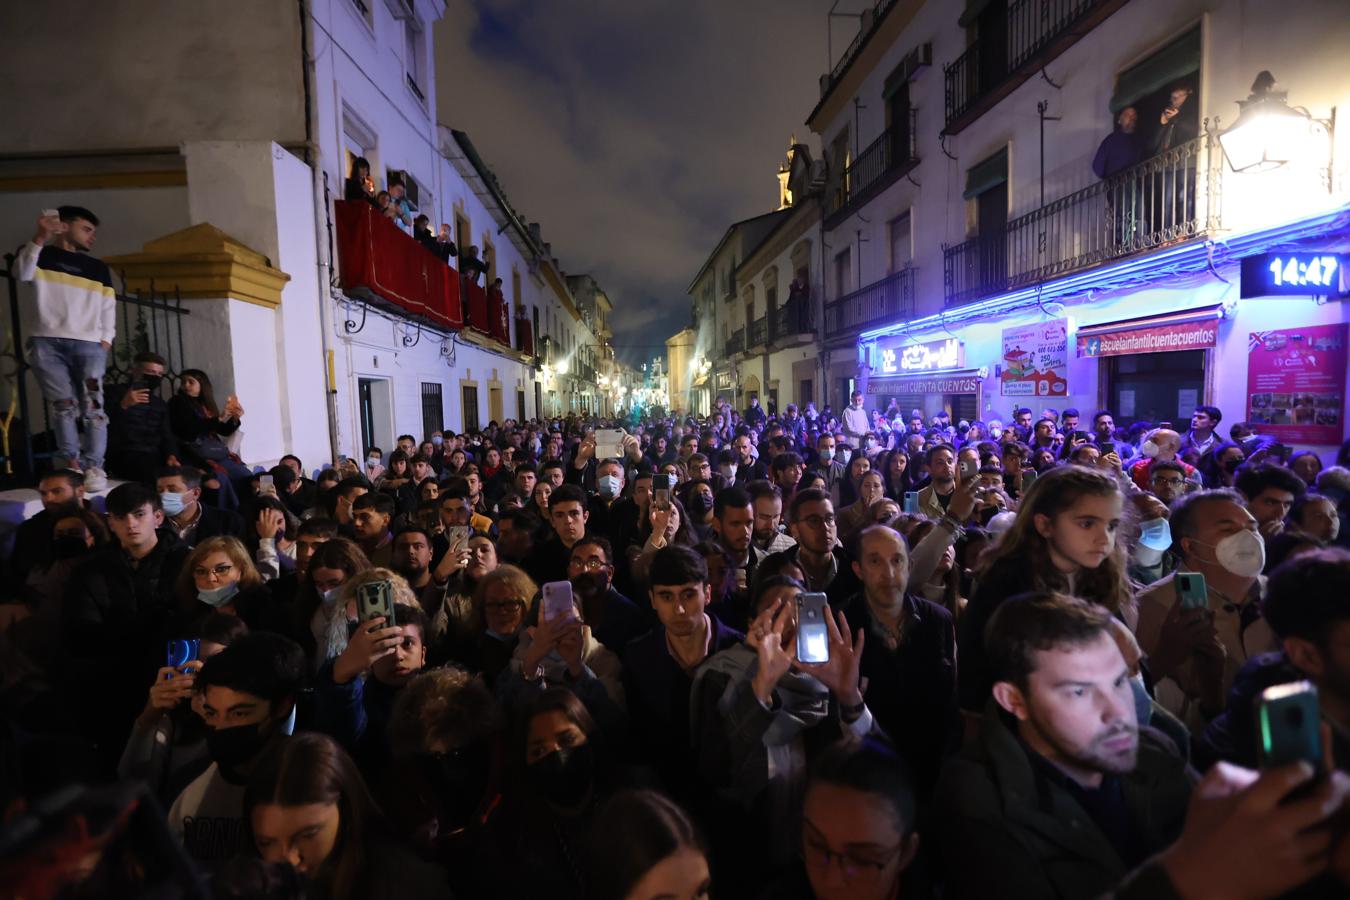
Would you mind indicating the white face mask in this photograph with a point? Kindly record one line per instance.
(1149, 449)
(729, 473)
(1242, 553)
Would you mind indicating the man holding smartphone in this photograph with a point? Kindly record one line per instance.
(76, 323)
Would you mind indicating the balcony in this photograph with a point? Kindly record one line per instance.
(1169, 198)
(879, 164)
(792, 318)
(380, 263)
(759, 333)
(735, 343)
(1037, 31)
(869, 20)
(476, 300)
(525, 335)
(880, 303)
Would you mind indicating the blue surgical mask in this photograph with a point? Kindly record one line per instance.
(608, 485)
(372, 461)
(330, 597)
(1156, 534)
(218, 597)
(173, 503)
(437, 439)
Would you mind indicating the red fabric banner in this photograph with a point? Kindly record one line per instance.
(375, 256)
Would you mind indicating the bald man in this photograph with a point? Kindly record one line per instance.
(910, 661)
(1160, 445)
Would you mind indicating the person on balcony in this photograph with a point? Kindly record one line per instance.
(471, 266)
(439, 246)
(1179, 120)
(1120, 149)
(399, 201)
(360, 186)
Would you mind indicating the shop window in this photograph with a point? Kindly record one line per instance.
(1155, 387)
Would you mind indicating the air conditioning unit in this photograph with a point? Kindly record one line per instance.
(402, 9)
(921, 57)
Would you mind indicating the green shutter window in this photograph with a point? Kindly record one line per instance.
(1172, 63)
(986, 175)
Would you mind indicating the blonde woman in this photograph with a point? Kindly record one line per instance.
(219, 576)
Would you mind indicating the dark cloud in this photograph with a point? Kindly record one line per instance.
(635, 131)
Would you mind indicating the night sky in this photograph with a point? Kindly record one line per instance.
(634, 131)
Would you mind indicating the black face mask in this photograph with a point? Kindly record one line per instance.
(69, 548)
(590, 584)
(564, 777)
(231, 748)
(699, 503)
(1230, 465)
(461, 779)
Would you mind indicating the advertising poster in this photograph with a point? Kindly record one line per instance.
(1296, 383)
(1036, 360)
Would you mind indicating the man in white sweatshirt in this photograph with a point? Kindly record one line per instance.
(855, 420)
(76, 321)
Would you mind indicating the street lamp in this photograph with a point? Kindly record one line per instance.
(1269, 132)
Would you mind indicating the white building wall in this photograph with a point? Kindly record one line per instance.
(1302, 42)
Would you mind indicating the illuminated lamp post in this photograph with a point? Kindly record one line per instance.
(1269, 132)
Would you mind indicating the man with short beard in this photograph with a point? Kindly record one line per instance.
(614, 619)
(1061, 794)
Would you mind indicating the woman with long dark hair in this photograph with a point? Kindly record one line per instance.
(199, 425)
(643, 845)
(307, 805)
(1219, 464)
(898, 474)
(1064, 540)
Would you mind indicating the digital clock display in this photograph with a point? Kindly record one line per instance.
(1297, 273)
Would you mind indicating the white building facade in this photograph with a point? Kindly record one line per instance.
(217, 164)
(975, 262)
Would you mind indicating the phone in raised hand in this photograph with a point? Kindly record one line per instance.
(813, 635)
(1191, 590)
(1289, 723)
(557, 602)
(375, 598)
(458, 536)
(182, 651)
(608, 443)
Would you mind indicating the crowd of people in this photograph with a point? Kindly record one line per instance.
(564, 658)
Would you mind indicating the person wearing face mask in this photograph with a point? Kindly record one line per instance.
(319, 616)
(58, 490)
(72, 533)
(354, 693)
(1194, 655)
(246, 698)
(374, 464)
(1159, 445)
(563, 758)
(607, 507)
(1151, 556)
(167, 746)
(180, 493)
(219, 576)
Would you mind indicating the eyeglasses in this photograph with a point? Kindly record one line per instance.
(853, 868)
(590, 565)
(1169, 482)
(219, 571)
(819, 521)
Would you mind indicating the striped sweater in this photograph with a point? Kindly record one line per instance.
(74, 293)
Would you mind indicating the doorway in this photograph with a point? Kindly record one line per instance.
(376, 412)
(1156, 387)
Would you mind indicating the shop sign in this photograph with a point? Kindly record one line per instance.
(932, 356)
(929, 384)
(1036, 360)
(1296, 383)
(1158, 339)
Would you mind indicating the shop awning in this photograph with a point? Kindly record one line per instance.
(988, 174)
(1172, 63)
(1192, 329)
(956, 381)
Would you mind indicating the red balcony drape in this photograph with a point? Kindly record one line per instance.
(525, 336)
(478, 319)
(375, 255)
